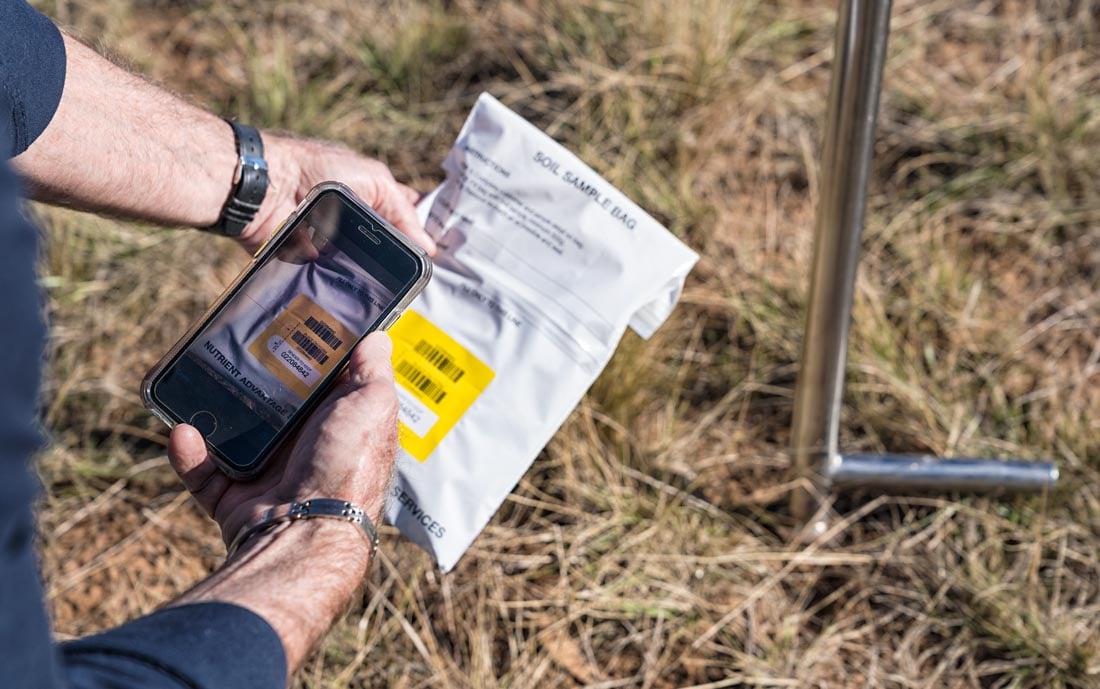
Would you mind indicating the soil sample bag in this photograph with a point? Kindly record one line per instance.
(542, 267)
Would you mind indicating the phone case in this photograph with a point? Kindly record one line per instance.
(261, 255)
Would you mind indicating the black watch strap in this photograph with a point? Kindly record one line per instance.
(249, 188)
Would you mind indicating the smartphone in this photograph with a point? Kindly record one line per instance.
(251, 369)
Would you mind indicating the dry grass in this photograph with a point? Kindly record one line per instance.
(648, 547)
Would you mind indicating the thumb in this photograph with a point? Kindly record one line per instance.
(188, 456)
(371, 362)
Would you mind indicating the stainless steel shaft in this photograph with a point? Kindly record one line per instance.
(862, 29)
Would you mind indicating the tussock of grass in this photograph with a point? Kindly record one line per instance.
(648, 547)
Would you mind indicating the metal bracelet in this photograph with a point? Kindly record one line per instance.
(325, 508)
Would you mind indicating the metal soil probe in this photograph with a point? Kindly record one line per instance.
(849, 138)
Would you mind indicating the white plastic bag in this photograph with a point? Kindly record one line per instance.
(542, 266)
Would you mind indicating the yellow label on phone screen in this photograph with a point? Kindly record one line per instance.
(437, 381)
(302, 345)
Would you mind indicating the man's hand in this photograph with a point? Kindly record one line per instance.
(302, 576)
(297, 165)
(345, 450)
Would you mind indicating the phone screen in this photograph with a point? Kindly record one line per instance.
(287, 330)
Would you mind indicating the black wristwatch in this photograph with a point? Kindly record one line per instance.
(249, 183)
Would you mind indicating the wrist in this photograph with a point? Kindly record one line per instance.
(214, 186)
(262, 517)
(284, 155)
(328, 545)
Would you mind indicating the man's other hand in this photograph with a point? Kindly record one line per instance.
(345, 450)
(298, 165)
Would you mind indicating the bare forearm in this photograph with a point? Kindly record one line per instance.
(299, 579)
(121, 145)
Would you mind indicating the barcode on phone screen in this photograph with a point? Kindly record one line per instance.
(421, 382)
(311, 348)
(438, 358)
(323, 331)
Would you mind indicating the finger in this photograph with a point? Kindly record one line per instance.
(371, 361)
(370, 364)
(369, 402)
(396, 207)
(411, 195)
(188, 455)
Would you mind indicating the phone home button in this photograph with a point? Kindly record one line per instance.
(205, 422)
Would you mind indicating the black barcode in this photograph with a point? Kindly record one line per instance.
(421, 382)
(311, 348)
(323, 331)
(438, 358)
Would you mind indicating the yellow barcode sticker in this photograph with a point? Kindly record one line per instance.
(437, 381)
(302, 345)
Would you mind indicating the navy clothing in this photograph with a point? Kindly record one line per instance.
(32, 74)
(202, 646)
